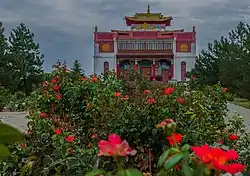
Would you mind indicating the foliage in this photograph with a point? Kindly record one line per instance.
(3, 48)
(77, 68)
(8, 135)
(12, 101)
(70, 114)
(215, 63)
(20, 60)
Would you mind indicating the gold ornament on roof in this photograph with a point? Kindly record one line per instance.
(145, 26)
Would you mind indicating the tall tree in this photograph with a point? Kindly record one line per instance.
(26, 59)
(3, 58)
(77, 68)
(227, 60)
(3, 41)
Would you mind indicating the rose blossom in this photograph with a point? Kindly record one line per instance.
(114, 147)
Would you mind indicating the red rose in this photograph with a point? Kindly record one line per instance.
(117, 94)
(168, 91)
(54, 81)
(220, 141)
(42, 114)
(58, 131)
(180, 100)
(218, 158)
(224, 89)
(175, 138)
(114, 147)
(151, 100)
(94, 79)
(93, 136)
(146, 91)
(70, 138)
(84, 78)
(233, 137)
(56, 88)
(70, 152)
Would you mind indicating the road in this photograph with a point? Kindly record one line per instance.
(17, 119)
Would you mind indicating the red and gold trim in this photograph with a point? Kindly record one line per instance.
(106, 47)
(183, 47)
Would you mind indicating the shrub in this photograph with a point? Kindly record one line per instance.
(92, 108)
(12, 101)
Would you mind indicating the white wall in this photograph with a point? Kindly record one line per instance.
(99, 64)
(190, 61)
(188, 57)
(100, 58)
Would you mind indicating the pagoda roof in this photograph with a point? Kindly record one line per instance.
(144, 17)
(148, 17)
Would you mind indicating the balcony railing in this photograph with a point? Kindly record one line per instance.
(142, 46)
(127, 51)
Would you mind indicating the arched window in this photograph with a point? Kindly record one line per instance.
(106, 66)
(183, 71)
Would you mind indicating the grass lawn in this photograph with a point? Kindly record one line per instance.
(242, 102)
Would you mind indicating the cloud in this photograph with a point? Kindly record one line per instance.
(64, 27)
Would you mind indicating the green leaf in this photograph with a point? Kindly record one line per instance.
(4, 152)
(129, 172)
(72, 163)
(162, 158)
(173, 160)
(188, 171)
(174, 151)
(95, 172)
(9, 134)
(185, 147)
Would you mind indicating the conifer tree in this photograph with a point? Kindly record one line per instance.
(227, 61)
(3, 56)
(77, 68)
(26, 59)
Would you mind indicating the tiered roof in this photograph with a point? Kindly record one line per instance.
(148, 17)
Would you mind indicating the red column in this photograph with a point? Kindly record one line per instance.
(154, 71)
(118, 69)
(136, 65)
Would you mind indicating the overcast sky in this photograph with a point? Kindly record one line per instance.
(63, 28)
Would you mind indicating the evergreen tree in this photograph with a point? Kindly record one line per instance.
(77, 68)
(3, 41)
(3, 58)
(228, 61)
(26, 59)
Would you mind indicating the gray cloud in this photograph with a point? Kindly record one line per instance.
(64, 27)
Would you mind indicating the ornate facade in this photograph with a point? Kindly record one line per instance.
(157, 53)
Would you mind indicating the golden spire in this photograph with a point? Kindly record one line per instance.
(148, 11)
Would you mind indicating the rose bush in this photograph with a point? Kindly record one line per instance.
(69, 115)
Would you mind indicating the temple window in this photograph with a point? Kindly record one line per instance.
(106, 66)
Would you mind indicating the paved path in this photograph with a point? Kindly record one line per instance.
(18, 120)
(241, 111)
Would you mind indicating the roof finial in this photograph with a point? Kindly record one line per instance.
(148, 11)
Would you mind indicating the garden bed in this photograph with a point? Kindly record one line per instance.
(70, 116)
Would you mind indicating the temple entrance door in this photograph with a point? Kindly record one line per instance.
(183, 71)
(145, 68)
(146, 72)
(165, 75)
